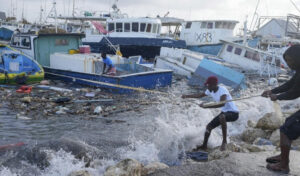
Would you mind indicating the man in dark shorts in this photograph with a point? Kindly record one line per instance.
(229, 113)
(290, 130)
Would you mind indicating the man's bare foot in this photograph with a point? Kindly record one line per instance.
(200, 147)
(223, 147)
(277, 167)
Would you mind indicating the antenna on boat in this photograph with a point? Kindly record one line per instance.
(53, 12)
(245, 32)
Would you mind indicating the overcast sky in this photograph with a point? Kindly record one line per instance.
(185, 9)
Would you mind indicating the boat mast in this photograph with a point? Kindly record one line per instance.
(41, 14)
(245, 33)
(53, 11)
(254, 15)
(73, 12)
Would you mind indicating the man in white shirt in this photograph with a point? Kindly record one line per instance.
(230, 112)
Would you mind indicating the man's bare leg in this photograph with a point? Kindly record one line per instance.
(224, 131)
(283, 165)
(205, 141)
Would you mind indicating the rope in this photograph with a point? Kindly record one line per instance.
(206, 105)
(113, 85)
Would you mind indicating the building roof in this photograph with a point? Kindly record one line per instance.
(282, 24)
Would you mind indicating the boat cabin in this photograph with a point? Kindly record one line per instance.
(41, 46)
(135, 27)
(206, 32)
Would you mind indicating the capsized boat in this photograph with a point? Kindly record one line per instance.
(17, 68)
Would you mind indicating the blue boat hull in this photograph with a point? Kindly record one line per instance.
(149, 80)
(5, 34)
(146, 47)
(225, 75)
(207, 49)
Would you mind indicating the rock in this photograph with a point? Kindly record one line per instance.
(98, 110)
(152, 167)
(234, 147)
(80, 173)
(217, 154)
(26, 99)
(251, 123)
(250, 134)
(269, 122)
(253, 148)
(275, 137)
(262, 141)
(127, 167)
(241, 164)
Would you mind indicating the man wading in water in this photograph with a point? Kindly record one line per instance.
(229, 112)
(290, 130)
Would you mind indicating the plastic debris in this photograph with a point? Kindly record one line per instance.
(98, 110)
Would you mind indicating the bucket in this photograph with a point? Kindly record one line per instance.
(73, 51)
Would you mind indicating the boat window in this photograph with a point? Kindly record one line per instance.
(277, 62)
(188, 25)
(232, 25)
(203, 25)
(111, 26)
(229, 48)
(223, 25)
(148, 28)
(59, 42)
(119, 27)
(142, 27)
(154, 28)
(25, 42)
(249, 54)
(238, 51)
(16, 41)
(256, 56)
(135, 27)
(158, 28)
(210, 25)
(218, 25)
(228, 26)
(126, 27)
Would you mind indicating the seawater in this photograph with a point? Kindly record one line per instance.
(160, 133)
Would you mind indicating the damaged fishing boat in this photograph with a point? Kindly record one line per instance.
(60, 57)
(17, 68)
(251, 59)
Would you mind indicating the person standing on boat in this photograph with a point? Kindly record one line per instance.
(111, 69)
(230, 112)
(290, 130)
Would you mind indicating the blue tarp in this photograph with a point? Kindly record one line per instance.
(224, 74)
(5, 34)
